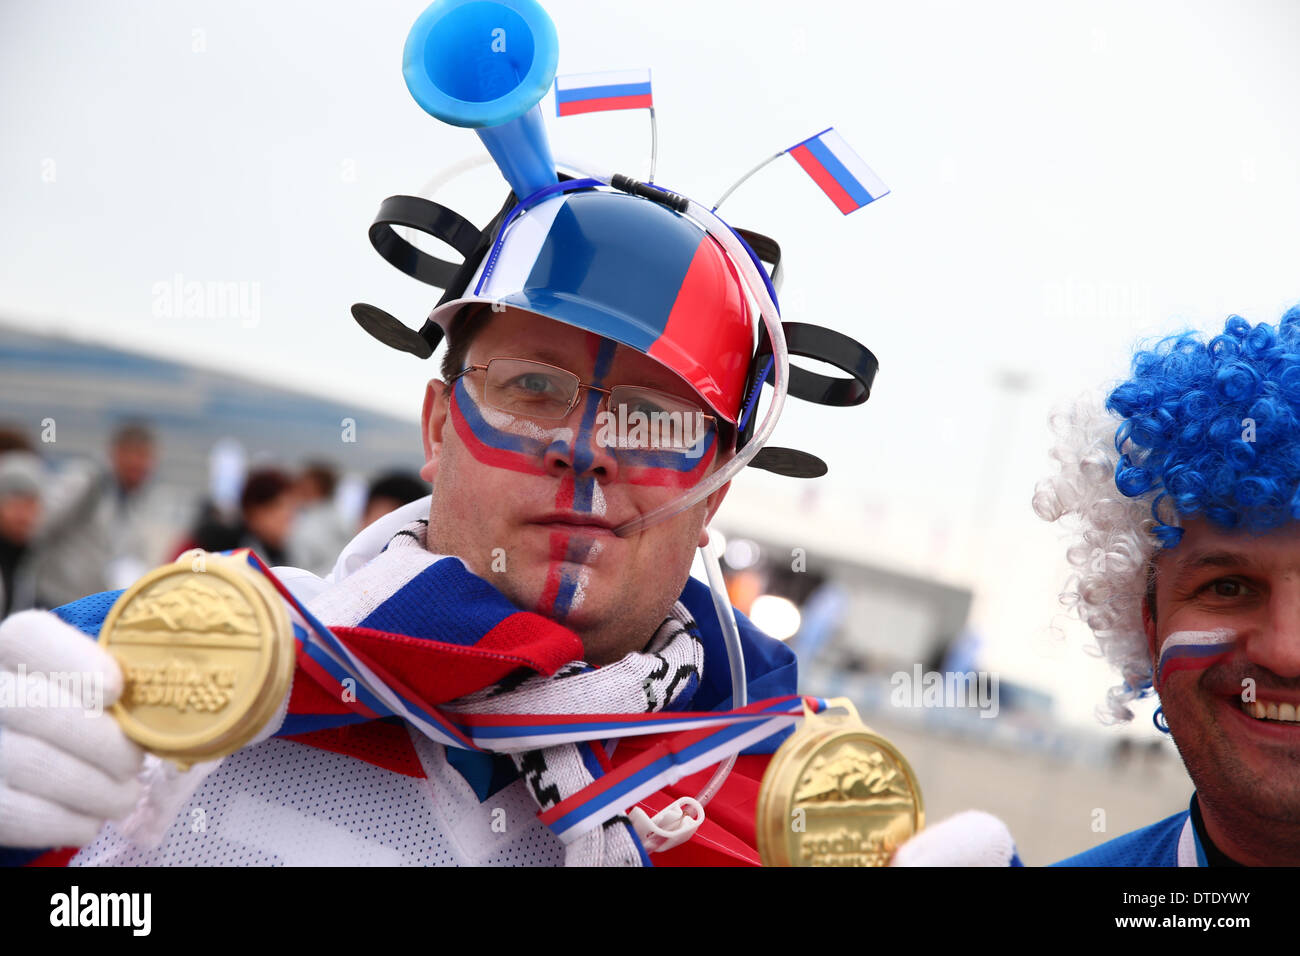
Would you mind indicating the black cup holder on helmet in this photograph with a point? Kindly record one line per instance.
(804, 341)
(443, 224)
(823, 345)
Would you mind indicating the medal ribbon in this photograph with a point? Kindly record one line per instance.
(700, 738)
(668, 761)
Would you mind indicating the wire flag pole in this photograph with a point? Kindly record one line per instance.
(737, 183)
(654, 145)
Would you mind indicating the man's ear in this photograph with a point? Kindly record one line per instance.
(433, 418)
(714, 501)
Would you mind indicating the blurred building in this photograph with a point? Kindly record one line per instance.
(85, 390)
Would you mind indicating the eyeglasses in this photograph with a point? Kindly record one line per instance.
(639, 417)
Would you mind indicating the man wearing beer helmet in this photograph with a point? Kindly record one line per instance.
(518, 670)
(1185, 492)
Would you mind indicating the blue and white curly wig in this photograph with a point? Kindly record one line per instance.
(1202, 429)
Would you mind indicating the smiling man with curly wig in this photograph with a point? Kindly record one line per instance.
(1184, 493)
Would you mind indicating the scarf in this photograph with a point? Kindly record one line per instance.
(398, 608)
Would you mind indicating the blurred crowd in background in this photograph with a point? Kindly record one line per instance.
(74, 527)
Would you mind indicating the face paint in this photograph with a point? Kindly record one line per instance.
(1193, 650)
(499, 439)
(666, 469)
(502, 440)
(505, 422)
(567, 574)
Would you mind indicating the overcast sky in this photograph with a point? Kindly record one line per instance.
(1067, 177)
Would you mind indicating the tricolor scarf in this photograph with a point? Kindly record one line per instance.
(400, 593)
(667, 671)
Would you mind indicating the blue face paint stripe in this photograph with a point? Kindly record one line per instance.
(583, 492)
(564, 596)
(666, 460)
(583, 455)
(578, 549)
(604, 359)
(489, 434)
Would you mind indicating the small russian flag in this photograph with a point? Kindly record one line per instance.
(595, 92)
(838, 170)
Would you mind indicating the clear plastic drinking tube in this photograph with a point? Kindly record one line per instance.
(781, 371)
(735, 655)
(781, 359)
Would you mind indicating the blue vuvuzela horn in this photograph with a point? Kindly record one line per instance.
(486, 64)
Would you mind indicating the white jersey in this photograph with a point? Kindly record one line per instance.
(285, 803)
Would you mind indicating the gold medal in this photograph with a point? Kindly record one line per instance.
(207, 652)
(835, 794)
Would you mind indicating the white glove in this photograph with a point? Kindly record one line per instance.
(64, 770)
(970, 838)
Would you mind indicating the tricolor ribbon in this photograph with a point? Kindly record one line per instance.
(700, 738)
(328, 660)
(667, 762)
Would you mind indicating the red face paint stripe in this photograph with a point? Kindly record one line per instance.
(558, 545)
(1191, 664)
(667, 477)
(564, 494)
(530, 464)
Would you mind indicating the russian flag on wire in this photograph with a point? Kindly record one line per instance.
(838, 170)
(595, 92)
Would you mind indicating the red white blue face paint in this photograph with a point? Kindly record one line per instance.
(497, 438)
(502, 440)
(1193, 651)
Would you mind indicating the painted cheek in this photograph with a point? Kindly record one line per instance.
(501, 440)
(1193, 651)
(665, 469)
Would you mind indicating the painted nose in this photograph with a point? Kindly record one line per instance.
(588, 454)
